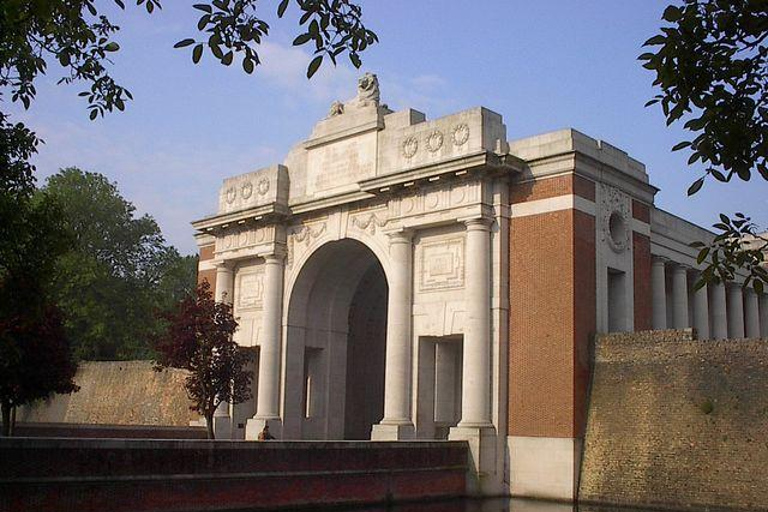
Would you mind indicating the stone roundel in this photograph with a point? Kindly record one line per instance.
(263, 186)
(231, 195)
(460, 134)
(410, 147)
(246, 190)
(434, 141)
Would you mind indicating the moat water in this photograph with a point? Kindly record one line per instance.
(490, 505)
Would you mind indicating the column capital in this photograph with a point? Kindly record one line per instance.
(659, 260)
(277, 255)
(404, 236)
(224, 265)
(478, 224)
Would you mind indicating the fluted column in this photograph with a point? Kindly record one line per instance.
(659, 293)
(751, 314)
(764, 315)
(397, 382)
(224, 283)
(680, 297)
(719, 315)
(268, 400)
(735, 311)
(701, 313)
(476, 378)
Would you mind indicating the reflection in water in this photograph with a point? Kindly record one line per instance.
(495, 505)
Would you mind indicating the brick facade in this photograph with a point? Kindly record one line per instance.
(552, 270)
(641, 258)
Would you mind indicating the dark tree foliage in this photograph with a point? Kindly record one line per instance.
(35, 361)
(117, 272)
(711, 65)
(199, 339)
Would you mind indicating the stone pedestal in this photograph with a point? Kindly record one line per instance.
(482, 478)
(254, 426)
(386, 432)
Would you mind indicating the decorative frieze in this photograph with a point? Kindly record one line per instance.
(301, 235)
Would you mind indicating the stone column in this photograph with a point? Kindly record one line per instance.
(764, 315)
(701, 313)
(224, 292)
(680, 297)
(719, 315)
(267, 406)
(659, 293)
(397, 422)
(735, 311)
(476, 378)
(225, 276)
(751, 314)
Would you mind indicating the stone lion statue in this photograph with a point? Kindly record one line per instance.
(368, 89)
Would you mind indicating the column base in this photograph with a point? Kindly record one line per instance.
(222, 427)
(544, 467)
(482, 478)
(254, 426)
(393, 432)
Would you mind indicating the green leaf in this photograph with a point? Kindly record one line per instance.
(113, 46)
(248, 65)
(695, 186)
(672, 13)
(314, 66)
(656, 40)
(227, 58)
(184, 43)
(197, 53)
(301, 39)
(93, 114)
(681, 145)
(203, 7)
(281, 8)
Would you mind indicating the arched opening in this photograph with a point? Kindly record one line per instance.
(335, 342)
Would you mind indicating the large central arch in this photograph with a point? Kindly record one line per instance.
(335, 343)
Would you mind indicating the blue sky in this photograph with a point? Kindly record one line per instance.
(543, 65)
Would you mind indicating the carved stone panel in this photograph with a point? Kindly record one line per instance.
(250, 290)
(615, 218)
(442, 265)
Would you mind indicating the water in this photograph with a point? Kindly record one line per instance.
(489, 505)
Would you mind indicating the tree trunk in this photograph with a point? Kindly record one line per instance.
(6, 419)
(209, 425)
(12, 423)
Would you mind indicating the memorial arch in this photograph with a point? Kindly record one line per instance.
(405, 278)
(335, 344)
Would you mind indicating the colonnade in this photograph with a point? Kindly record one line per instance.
(716, 311)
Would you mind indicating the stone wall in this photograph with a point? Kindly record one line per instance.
(118, 393)
(677, 422)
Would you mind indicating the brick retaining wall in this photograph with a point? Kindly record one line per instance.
(130, 475)
(677, 422)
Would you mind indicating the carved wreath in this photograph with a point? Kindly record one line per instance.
(615, 220)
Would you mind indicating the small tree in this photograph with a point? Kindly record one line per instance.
(199, 340)
(35, 360)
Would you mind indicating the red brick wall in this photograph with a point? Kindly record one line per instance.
(140, 476)
(641, 255)
(552, 312)
(206, 253)
(552, 187)
(641, 211)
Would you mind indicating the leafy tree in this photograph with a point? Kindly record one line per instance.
(35, 359)
(711, 66)
(118, 271)
(199, 339)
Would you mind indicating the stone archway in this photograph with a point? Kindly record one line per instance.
(335, 344)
